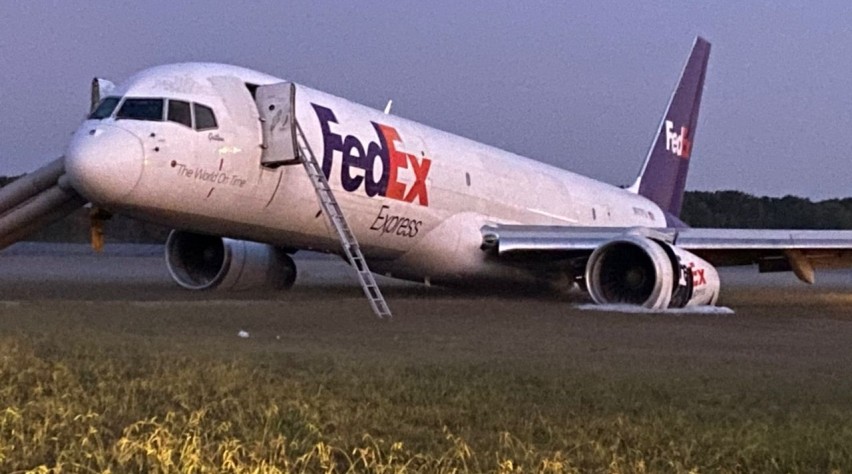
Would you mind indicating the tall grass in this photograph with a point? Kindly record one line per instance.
(86, 404)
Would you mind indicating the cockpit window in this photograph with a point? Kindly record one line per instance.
(179, 112)
(141, 109)
(105, 108)
(204, 117)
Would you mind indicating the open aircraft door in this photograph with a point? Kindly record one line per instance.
(284, 143)
(276, 104)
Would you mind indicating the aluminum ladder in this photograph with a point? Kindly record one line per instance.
(335, 216)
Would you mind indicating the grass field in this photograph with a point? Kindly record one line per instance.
(456, 383)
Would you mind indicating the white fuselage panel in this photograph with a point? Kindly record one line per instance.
(415, 197)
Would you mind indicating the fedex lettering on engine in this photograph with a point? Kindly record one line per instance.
(678, 143)
(357, 163)
(698, 277)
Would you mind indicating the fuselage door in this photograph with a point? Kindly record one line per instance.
(276, 104)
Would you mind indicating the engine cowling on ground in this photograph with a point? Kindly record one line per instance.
(204, 262)
(637, 270)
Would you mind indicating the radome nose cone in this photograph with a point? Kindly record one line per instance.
(104, 163)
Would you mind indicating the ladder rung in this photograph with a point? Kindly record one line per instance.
(334, 214)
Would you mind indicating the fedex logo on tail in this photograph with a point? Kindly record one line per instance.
(678, 143)
(357, 164)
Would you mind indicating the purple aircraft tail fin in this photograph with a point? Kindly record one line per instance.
(663, 176)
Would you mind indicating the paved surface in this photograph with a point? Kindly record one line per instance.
(793, 332)
(37, 270)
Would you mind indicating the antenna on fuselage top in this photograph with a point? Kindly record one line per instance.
(388, 107)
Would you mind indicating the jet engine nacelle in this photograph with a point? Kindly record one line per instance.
(203, 262)
(636, 270)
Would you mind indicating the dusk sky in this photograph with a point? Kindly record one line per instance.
(580, 86)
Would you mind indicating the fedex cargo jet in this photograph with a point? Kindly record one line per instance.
(249, 168)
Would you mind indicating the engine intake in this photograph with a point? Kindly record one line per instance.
(640, 271)
(203, 262)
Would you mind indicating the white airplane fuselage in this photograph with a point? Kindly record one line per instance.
(421, 221)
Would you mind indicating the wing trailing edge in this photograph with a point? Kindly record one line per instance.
(799, 251)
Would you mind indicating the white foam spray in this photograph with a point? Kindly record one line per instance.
(633, 309)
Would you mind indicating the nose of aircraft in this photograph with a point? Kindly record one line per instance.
(104, 162)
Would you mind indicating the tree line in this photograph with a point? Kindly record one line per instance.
(735, 209)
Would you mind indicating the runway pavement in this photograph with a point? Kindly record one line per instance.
(127, 288)
(74, 271)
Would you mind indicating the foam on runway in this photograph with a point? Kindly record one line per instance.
(625, 308)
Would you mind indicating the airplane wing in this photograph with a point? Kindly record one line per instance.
(800, 251)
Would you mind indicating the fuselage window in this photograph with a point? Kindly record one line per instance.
(141, 109)
(105, 108)
(204, 117)
(179, 112)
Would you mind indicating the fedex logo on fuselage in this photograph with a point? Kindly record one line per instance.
(357, 164)
(678, 143)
